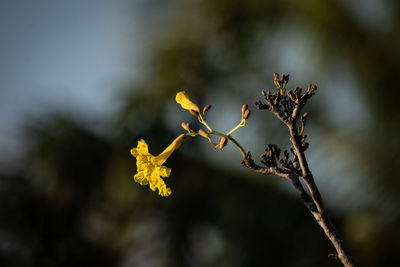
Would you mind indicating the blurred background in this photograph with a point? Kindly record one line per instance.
(82, 81)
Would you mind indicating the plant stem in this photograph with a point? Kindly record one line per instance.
(238, 146)
(321, 214)
(241, 124)
(202, 121)
(241, 149)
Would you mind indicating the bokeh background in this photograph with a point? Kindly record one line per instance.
(82, 81)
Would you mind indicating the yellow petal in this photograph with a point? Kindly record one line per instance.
(142, 147)
(183, 99)
(164, 171)
(179, 140)
(165, 192)
(149, 168)
(140, 178)
(160, 159)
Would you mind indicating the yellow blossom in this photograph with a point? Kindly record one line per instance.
(149, 167)
(183, 99)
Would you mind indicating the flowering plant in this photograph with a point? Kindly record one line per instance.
(287, 107)
(150, 169)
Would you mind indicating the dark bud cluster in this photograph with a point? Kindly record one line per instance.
(272, 159)
(286, 106)
(272, 156)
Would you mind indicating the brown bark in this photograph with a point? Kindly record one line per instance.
(287, 108)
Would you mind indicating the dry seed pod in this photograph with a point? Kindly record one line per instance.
(206, 108)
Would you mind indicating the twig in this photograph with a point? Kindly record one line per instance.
(287, 107)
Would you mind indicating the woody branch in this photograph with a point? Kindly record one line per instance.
(287, 107)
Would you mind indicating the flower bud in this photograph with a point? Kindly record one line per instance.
(194, 112)
(247, 114)
(244, 108)
(223, 142)
(206, 108)
(204, 133)
(187, 126)
(183, 99)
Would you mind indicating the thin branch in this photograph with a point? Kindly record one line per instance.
(249, 163)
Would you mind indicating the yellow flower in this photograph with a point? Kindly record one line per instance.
(149, 167)
(183, 99)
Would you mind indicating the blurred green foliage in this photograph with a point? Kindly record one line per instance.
(74, 200)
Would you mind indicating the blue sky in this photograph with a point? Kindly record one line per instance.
(62, 54)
